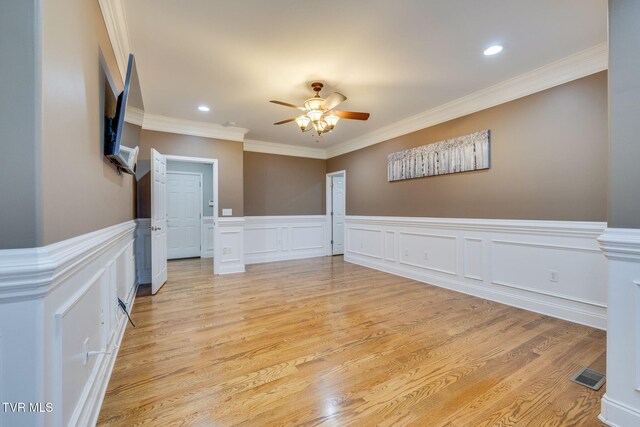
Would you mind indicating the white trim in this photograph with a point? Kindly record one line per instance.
(134, 115)
(621, 244)
(578, 65)
(113, 13)
(230, 234)
(284, 237)
(34, 272)
(516, 277)
(216, 231)
(194, 128)
(284, 149)
(617, 414)
(45, 284)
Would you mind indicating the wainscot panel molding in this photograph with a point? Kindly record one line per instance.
(286, 237)
(230, 247)
(206, 241)
(60, 325)
(621, 402)
(550, 267)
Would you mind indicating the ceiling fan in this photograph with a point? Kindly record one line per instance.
(319, 113)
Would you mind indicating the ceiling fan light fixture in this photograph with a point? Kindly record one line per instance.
(313, 103)
(314, 115)
(331, 120)
(303, 122)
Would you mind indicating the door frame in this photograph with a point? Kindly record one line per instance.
(328, 203)
(201, 202)
(216, 228)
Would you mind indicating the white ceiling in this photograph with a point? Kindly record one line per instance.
(393, 59)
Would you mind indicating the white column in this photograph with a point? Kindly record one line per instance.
(621, 403)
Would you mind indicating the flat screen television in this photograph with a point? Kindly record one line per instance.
(123, 124)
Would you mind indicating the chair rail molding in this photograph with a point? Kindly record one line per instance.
(621, 402)
(55, 302)
(550, 267)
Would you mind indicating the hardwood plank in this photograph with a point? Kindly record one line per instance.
(321, 341)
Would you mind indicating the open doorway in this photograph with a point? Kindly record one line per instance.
(336, 211)
(180, 194)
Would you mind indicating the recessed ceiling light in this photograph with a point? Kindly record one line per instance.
(492, 50)
(204, 108)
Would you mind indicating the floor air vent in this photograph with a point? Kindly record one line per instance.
(589, 378)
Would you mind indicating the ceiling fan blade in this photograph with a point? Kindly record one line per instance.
(286, 104)
(351, 115)
(333, 100)
(285, 121)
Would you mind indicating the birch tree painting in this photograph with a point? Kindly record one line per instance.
(461, 154)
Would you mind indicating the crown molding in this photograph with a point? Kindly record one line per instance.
(284, 149)
(570, 68)
(133, 115)
(189, 127)
(116, 22)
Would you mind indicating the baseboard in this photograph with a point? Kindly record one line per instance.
(616, 414)
(550, 267)
(593, 319)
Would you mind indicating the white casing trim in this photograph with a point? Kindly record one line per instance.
(51, 300)
(229, 244)
(284, 237)
(508, 261)
(284, 149)
(572, 67)
(113, 13)
(194, 128)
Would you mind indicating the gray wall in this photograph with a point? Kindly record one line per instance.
(549, 156)
(283, 185)
(19, 124)
(207, 177)
(80, 190)
(228, 154)
(624, 110)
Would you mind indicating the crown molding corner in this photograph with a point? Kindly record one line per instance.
(193, 128)
(572, 67)
(116, 22)
(284, 149)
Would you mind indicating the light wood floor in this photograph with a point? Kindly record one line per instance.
(324, 342)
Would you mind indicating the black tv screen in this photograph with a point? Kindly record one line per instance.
(123, 122)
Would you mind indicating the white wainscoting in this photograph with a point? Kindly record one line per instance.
(550, 267)
(279, 238)
(621, 402)
(206, 242)
(143, 250)
(56, 304)
(230, 247)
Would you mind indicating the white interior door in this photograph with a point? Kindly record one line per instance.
(337, 214)
(158, 221)
(184, 214)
